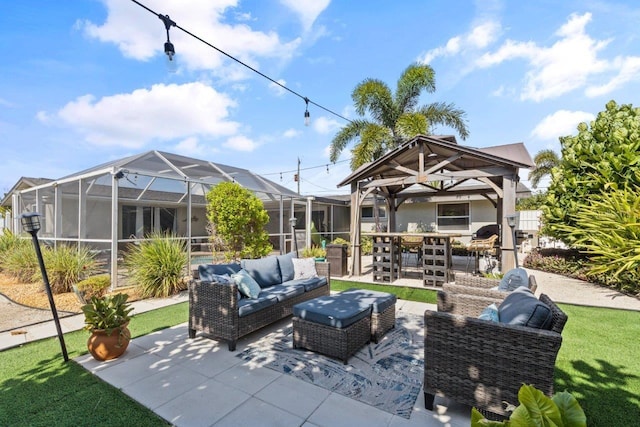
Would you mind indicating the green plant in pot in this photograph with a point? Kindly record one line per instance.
(107, 318)
(316, 252)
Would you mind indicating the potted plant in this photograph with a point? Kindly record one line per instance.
(107, 318)
(316, 252)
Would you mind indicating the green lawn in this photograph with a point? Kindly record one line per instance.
(598, 363)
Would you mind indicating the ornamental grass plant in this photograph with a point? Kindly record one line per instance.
(157, 265)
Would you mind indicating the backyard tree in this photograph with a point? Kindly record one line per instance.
(545, 161)
(603, 157)
(237, 218)
(388, 119)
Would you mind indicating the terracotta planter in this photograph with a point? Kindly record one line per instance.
(107, 347)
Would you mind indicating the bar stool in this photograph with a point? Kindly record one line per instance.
(477, 246)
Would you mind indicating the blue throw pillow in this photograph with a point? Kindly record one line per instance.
(247, 286)
(490, 313)
(286, 266)
(265, 270)
(513, 279)
(207, 271)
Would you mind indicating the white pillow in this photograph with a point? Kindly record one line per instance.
(304, 268)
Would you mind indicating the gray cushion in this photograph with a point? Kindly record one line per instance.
(331, 310)
(309, 284)
(206, 271)
(265, 270)
(513, 279)
(283, 292)
(286, 266)
(379, 301)
(521, 307)
(247, 306)
(246, 285)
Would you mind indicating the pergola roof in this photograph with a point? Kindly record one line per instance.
(437, 165)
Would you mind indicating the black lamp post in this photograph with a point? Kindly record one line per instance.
(31, 224)
(512, 220)
(292, 222)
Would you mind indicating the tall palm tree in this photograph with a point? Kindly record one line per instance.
(545, 161)
(394, 118)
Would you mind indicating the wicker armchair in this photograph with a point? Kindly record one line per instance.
(482, 363)
(479, 286)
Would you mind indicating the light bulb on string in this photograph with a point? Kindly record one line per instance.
(307, 117)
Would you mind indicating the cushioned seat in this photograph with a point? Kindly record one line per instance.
(332, 311)
(248, 306)
(309, 284)
(383, 309)
(379, 301)
(283, 292)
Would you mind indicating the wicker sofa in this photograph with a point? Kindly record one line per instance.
(218, 310)
(482, 363)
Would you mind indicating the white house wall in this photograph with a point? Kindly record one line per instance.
(409, 215)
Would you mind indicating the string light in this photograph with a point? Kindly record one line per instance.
(306, 112)
(169, 50)
(304, 98)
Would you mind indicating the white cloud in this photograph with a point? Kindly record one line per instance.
(307, 10)
(278, 90)
(192, 147)
(164, 112)
(628, 70)
(479, 37)
(240, 143)
(324, 125)
(560, 68)
(560, 123)
(140, 35)
(291, 133)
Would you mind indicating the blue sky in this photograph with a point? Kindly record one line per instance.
(84, 82)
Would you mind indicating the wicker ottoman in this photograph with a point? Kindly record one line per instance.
(383, 309)
(331, 325)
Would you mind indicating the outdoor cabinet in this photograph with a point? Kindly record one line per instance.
(337, 258)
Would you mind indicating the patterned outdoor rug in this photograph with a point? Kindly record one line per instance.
(387, 375)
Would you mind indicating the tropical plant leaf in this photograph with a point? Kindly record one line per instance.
(570, 410)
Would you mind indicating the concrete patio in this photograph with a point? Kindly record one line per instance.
(198, 382)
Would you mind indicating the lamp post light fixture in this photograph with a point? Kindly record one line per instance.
(31, 224)
(512, 220)
(292, 222)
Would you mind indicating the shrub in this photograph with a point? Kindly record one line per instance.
(8, 241)
(94, 286)
(21, 261)
(67, 265)
(314, 252)
(156, 265)
(366, 245)
(238, 219)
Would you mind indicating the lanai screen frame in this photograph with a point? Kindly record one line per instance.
(126, 180)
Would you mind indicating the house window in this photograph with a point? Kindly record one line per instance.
(453, 216)
(139, 221)
(367, 212)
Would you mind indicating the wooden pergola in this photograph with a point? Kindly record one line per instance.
(429, 166)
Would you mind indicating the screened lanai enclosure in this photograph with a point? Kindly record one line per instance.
(118, 203)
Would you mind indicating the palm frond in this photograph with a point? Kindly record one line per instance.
(441, 113)
(413, 80)
(347, 134)
(373, 96)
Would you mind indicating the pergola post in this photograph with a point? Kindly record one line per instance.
(509, 183)
(356, 269)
